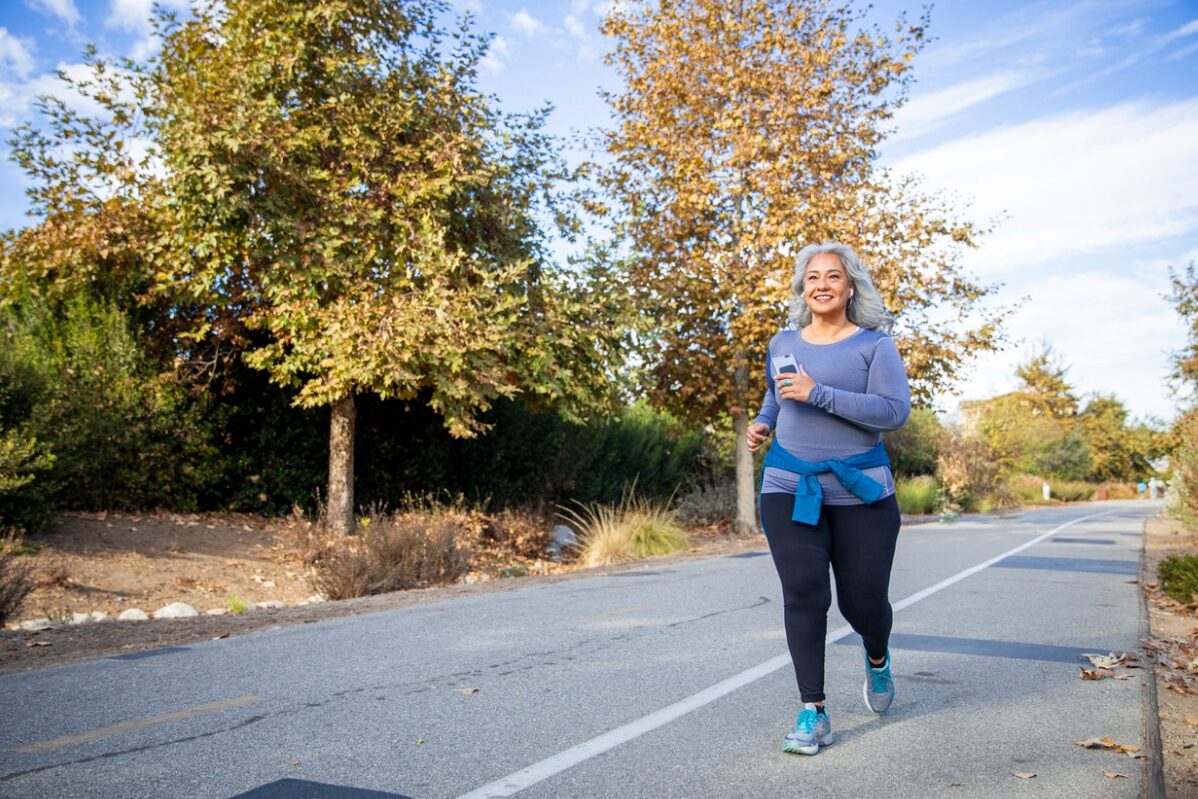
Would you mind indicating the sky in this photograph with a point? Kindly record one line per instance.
(1068, 128)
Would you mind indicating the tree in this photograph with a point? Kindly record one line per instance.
(334, 201)
(1043, 389)
(1118, 450)
(745, 130)
(1184, 432)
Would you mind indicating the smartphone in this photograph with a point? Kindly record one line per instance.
(784, 363)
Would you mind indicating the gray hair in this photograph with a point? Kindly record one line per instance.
(865, 308)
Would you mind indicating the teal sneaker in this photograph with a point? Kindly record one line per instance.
(879, 686)
(812, 730)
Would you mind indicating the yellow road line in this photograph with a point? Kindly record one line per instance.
(130, 726)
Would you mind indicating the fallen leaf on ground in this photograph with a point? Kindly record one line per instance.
(1108, 743)
(38, 643)
(1114, 775)
(1024, 775)
(468, 691)
(1101, 674)
(218, 637)
(1110, 660)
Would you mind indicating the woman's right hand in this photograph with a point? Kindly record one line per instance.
(758, 433)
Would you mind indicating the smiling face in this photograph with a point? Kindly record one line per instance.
(826, 286)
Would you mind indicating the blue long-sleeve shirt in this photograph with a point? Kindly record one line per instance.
(861, 391)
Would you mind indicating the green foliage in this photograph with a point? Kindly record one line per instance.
(121, 436)
(1064, 458)
(1179, 577)
(967, 471)
(1072, 490)
(919, 494)
(914, 447)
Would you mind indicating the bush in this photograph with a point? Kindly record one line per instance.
(709, 504)
(632, 529)
(1028, 488)
(1116, 490)
(918, 494)
(24, 462)
(122, 436)
(392, 552)
(968, 472)
(15, 585)
(1179, 577)
(915, 446)
(1072, 490)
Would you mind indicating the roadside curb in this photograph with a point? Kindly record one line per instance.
(1153, 785)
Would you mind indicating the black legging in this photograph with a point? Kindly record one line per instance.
(858, 541)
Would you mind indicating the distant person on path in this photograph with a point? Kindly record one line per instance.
(1141, 487)
(1154, 488)
(835, 382)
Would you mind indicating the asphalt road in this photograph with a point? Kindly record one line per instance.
(669, 680)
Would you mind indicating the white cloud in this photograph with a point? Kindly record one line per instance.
(63, 9)
(1082, 182)
(574, 25)
(1114, 331)
(134, 16)
(495, 59)
(926, 111)
(1189, 29)
(17, 97)
(525, 23)
(16, 56)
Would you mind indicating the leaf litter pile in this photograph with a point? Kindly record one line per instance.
(1105, 665)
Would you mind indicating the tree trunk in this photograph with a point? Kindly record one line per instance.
(339, 515)
(746, 496)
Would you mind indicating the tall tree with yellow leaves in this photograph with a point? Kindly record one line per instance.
(746, 129)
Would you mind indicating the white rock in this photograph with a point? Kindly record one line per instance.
(133, 614)
(81, 618)
(216, 612)
(270, 603)
(316, 599)
(268, 583)
(37, 624)
(99, 615)
(176, 610)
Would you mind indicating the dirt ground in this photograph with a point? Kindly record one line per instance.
(1173, 649)
(110, 562)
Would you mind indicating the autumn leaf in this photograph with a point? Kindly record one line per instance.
(1108, 743)
(1025, 775)
(1114, 775)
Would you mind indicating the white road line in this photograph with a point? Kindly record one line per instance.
(530, 775)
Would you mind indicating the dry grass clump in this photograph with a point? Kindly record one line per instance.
(15, 585)
(390, 552)
(632, 529)
(426, 542)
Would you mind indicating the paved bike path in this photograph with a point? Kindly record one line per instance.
(444, 699)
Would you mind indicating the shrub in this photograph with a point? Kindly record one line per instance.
(1072, 490)
(15, 585)
(122, 435)
(1116, 490)
(917, 494)
(1028, 488)
(24, 462)
(1179, 577)
(914, 447)
(634, 528)
(708, 504)
(393, 552)
(968, 472)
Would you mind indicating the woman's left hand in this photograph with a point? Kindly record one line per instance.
(799, 387)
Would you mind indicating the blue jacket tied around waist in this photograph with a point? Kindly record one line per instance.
(808, 493)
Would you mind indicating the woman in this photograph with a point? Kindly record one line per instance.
(835, 383)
